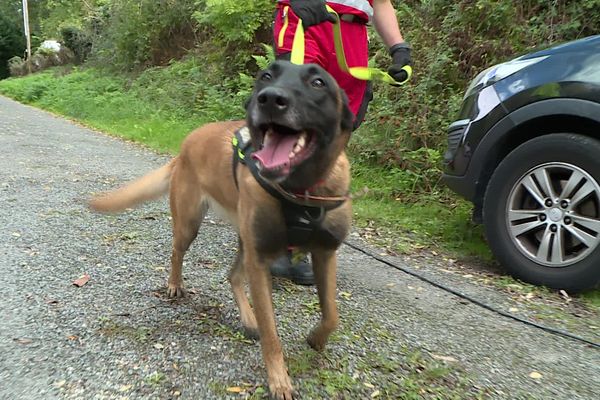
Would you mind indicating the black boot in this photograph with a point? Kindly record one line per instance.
(300, 273)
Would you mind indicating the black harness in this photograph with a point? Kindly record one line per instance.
(302, 220)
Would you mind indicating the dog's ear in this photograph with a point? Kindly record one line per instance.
(347, 122)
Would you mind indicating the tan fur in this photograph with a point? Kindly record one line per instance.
(202, 175)
(148, 187)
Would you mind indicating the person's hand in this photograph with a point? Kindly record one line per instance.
(400, 54)
(311, 12)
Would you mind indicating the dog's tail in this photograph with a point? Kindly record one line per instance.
(148, 187)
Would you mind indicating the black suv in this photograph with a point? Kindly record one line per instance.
(525, 151)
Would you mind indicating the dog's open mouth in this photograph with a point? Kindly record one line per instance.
(283, 148)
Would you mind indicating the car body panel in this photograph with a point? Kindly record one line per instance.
(492, 140)
(566, 83)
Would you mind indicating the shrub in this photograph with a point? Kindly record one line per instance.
(12, 42)
(17, 66)
(132, 34)
(78, 41)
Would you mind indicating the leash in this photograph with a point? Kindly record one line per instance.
(309, 200)
(361, 73)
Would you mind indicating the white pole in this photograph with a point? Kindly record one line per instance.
(27, 33)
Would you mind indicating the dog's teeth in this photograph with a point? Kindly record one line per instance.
(267, 138)
(300, 144)
(302, 140)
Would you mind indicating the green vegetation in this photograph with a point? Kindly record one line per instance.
(12, 41)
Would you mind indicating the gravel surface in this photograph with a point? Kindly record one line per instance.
(119, 337)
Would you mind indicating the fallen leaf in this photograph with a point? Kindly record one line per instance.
(60, 384)
(513, 309)
(367, 384)
(529, 296)
(72, 337)
(82, 280)
(234, 389)
(158, 346)
(375, 394)
(23, 341)
(535, 375)
(125, 388)
(467, 276)
(52, 301)
(177, 393)
(565, 295)
(346, 295)
(390, 285)
(444, 358)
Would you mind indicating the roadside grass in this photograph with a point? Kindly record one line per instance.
(161, 106)
(438, 221)
(99, 101)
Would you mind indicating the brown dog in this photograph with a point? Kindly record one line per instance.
(299, 122)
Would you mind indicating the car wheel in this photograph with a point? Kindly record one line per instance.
(541, 212)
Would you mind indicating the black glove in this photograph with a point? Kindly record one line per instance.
(311, 12)
(400, 54)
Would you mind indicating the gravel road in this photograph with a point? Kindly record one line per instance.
(119, 337)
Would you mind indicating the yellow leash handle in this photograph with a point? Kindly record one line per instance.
(362, 73)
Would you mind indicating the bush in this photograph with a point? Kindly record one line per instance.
(78, 41)
(133, 34)
(233, 20)
(12, 42)
(17, 66)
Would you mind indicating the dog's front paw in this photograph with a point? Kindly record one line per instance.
(250, 332)
(281, 389)
(175, 291)
(316, 340)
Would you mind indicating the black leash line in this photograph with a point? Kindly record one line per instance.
(455, 292)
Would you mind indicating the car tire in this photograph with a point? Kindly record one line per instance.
(540, 223)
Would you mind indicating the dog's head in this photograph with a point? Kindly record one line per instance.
(299, 121)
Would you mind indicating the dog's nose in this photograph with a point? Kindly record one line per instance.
(274, 98)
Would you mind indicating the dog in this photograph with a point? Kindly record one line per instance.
(293, 184)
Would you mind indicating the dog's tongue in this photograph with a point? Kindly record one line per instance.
(276, 150)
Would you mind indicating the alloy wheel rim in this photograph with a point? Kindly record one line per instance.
(553, 214)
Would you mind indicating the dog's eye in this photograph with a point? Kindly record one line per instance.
(266, 77)
(318, 83)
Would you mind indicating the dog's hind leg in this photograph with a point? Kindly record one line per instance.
(187, 210)
(237, 279)
(324, 266)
